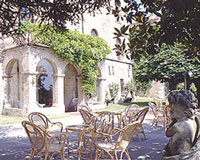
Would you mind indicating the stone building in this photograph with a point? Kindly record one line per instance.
(34, 78)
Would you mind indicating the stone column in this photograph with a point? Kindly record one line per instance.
(32, 83)
(1, 85)
(28, 95)
(6, 90)
(58, 92)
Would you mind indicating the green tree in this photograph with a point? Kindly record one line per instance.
(130, 87)
(113, 89)
(174, 21)
(168, 66)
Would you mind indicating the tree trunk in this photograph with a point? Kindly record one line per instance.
(197, 85)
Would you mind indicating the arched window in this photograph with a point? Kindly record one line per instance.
(45, 83)
(94, 32)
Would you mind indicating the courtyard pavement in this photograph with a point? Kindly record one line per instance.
(14, 144)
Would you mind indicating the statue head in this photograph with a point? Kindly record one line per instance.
(182, 103)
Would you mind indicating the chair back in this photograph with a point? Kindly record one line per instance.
(157, 102)
(39, 119)
(35, 135)
(87, 116)
(157, 111)
(103, 122)
(141, 114)
(84, 107)
(126, 135)
(131, 110)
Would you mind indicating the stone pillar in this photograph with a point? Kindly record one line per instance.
(32, 83)
(28, 96)
(1, 86)
(58, 91)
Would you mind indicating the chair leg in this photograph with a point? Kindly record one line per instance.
(127, 154)
(91, 148)
(96, 153)
(46, 156)
(143, 132)
(154, 121)
(110, 156)
(32, 154)
(137, 134)
(116, 155)
(62, 154)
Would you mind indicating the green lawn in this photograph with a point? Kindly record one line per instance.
(141, 101)
(4, 119)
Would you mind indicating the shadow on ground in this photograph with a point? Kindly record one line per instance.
(19, 148)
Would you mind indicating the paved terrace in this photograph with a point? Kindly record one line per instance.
(14, 144)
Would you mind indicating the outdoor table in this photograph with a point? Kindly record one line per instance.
(81, 129)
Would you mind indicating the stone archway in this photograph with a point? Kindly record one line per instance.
(13, 85)
(45, 83)
(70, 88)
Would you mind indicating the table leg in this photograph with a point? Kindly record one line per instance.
(67, 135)
(79, 144)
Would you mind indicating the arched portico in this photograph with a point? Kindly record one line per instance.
(12, 84)
(71, 88)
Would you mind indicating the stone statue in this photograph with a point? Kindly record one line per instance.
(184, 129)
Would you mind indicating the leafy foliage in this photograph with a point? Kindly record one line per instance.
(130, 87)
(173, 21)
(51, 12)
(84, 51)
(113, 89)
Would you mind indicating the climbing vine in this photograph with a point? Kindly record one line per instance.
(84, 51)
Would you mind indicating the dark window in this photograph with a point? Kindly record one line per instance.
(113, 70)
(122, 85)
(129, 71)
(109, 70)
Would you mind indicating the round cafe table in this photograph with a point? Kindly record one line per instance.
(81, 129)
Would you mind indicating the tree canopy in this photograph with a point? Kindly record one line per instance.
(168, 65)
(51, 12)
